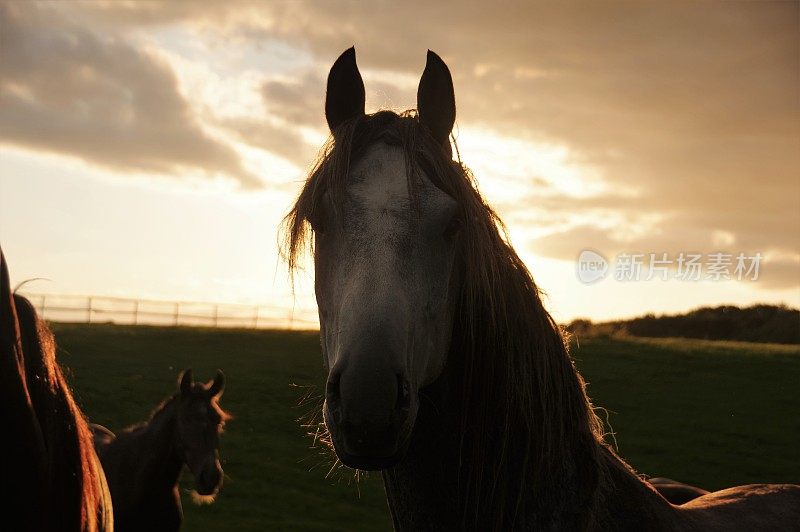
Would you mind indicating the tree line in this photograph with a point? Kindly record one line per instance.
(756, 323)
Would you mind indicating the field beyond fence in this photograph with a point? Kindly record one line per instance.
(714, 414)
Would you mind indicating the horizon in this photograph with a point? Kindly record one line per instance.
(150, 150)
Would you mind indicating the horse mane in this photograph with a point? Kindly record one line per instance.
(161, 407)
(26, 463)
(75, 491)
(517, 374)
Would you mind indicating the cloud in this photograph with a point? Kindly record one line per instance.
(279, 139)
(777, 271)
(688, 111)
(68, 90)
(297, 101)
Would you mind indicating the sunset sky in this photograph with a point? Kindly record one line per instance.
(151, 149)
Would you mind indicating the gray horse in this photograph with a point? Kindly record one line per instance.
(445, 371)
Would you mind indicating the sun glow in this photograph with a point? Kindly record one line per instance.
(511, 169)
(229, 104)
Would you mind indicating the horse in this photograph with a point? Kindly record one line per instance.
(444, 369)
(53, 477)
(676, 492)
(143, 463)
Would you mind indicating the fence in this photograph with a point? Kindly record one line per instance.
(103, 309)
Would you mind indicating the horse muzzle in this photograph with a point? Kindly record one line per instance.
(369, 416)
(209, 481)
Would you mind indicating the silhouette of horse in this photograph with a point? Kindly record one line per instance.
(52, 478)
(143, 463)
(676, 492)
(445, 371)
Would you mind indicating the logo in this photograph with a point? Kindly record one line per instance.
(591, 266)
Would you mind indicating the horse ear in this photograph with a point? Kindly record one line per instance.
(436, 100)
(218, 386)
(185, 381)
(344, 98)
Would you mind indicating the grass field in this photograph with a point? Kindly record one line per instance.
(710, 413)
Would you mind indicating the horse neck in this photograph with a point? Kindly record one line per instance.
(156, 449)
(588, 485)
(625, 502)
(422, 489)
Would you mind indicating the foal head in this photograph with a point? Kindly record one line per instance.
(199, 423)
(385, 225)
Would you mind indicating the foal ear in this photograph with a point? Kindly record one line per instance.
(218, 386)
(436, 100)
(185, 381)
(344, 98)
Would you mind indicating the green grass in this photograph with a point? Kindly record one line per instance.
(714, 414)
(711, 413)
(274, 481)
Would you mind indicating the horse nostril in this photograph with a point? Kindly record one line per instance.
(332, 390)
(209, 479)
(403, 394)
(333, 397)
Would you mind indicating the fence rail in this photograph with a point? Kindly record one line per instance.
(130, 311)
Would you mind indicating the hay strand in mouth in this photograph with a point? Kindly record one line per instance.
(313, 424)
(201, 500)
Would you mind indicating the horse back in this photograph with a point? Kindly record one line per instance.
(750, 507)
(676, 492)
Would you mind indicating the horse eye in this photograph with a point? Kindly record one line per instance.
(453, 227)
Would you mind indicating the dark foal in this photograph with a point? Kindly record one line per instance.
(143, 464)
